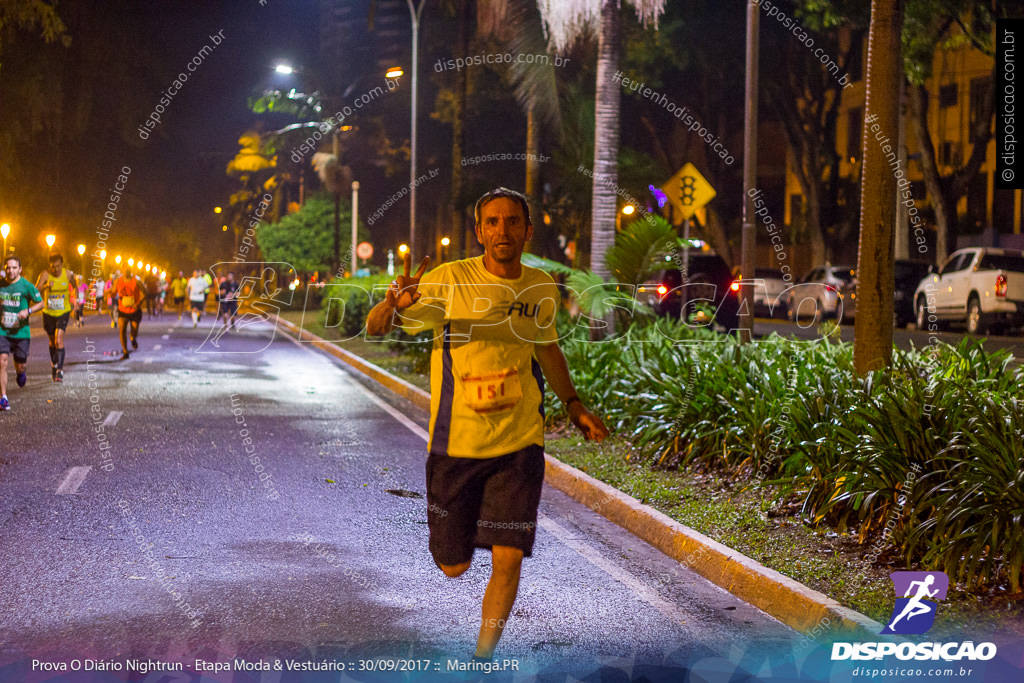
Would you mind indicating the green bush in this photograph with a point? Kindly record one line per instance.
(347, 301)
(927, 455)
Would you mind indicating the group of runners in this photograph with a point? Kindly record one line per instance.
(60, 293)
(485, 464)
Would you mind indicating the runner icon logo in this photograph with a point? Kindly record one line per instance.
(921, 592)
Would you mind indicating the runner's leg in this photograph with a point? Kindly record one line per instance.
(500, 596)
(123, 324)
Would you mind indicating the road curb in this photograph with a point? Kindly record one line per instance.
(794, 604)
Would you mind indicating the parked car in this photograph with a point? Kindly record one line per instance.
(982, 287)
(817, 295)
(907, 276)
(708, 281)
(769, 289)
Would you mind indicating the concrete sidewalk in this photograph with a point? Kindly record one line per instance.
(792, 603)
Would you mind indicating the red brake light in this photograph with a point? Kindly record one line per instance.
(735, 286)
(662, 290)
(1001, 285)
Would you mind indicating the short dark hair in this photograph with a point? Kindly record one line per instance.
(502, 192)
(56, 257)
(12, 257)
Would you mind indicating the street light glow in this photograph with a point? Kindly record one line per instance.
(284, 69)
(50, 239)
(394, 72)
(402, 248)
(131, 262)
(103, 253)
(628, 210)
(117, 259)
(81, 249)
(445, 241)
(5, 230)
(217, 209)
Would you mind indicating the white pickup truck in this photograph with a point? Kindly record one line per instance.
(980, 286)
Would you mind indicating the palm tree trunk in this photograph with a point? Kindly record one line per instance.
(872, 346)
(456, 200)
(604, 202)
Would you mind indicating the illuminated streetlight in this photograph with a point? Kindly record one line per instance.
(117, 259)
(217, 209)
(628, 210)
(5, 230)
(394, 72)
(103, 254)
(50, 239)
(284, 69)
(402, 248)
(131, 262)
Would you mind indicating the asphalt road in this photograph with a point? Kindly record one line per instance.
(138, 524)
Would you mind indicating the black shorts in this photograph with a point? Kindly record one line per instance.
(179, 300)
(52, 323)
(135, 317)
(16, 347)
(198, 305)
(480, 503)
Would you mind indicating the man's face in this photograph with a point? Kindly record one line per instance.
(55, 267)
(12, 269)
(503, 230)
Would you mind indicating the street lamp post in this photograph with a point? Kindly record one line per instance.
(414, 13)
(355, 219)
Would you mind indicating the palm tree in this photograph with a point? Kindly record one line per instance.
(566, 21)
(872, 347)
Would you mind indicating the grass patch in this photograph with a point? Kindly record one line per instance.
(764, 526)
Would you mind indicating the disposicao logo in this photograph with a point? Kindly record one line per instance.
(915, 611)
(917, 597)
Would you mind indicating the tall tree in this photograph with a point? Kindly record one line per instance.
(872, 346)
(805, 98)
(566, 21)
(930, 26)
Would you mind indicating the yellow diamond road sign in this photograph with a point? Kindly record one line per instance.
(688, 190)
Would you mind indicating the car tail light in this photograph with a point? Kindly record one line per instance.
(1001, 285)
(662, 290)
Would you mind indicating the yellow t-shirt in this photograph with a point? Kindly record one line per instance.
(58, 295)
(486, 387)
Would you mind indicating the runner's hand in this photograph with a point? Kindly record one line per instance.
(403, 290)
(590, 425)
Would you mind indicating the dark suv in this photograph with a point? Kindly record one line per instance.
(708, 281)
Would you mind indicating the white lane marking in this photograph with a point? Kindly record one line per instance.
(112, 417)
(166, 336)
(148, 360)
(386, 407)
(157, 347)
(640, 590)
(72, 480)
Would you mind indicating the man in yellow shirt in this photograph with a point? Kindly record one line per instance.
(58, 286)
(494, 347)
(179, 286)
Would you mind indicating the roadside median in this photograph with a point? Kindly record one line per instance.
(792, 603)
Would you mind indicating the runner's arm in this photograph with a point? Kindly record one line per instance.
(556, 372)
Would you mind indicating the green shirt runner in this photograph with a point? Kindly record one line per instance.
(15, 298)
